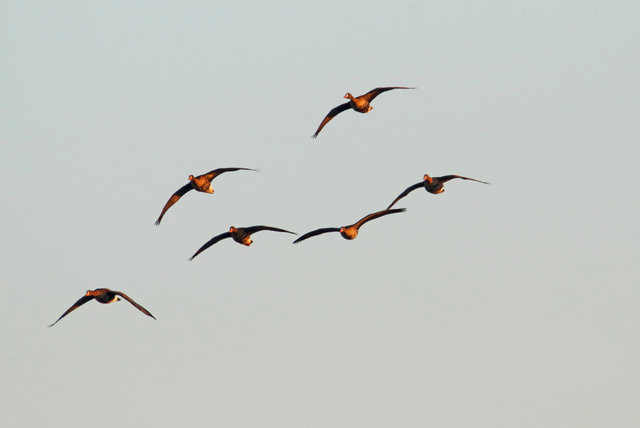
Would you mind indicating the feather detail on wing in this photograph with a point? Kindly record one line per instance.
(173, 199)
(333, 113)
(254, 229)
(316, 232)
(406, 192)
(378, 214)
(76, 305)
(369, 96)
(216, 172)
(130, 300)
(446, 178)
(211, 242)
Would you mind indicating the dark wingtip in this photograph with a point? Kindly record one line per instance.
(158, 221)
(396, 210)
(299, 240)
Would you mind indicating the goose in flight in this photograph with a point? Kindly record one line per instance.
(351, 231)
(103, 295)
(241, 235)
(433, 185)
(360, 104)
(201, 183)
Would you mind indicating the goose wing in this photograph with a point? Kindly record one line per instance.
(80, 302)
(372, 216)
(333, 113)
(369, 96)
(406, 192)
(216, 172)
(254, 229)
(316, 232)
(210, 242)
(130, 300)
(446, 178)
(173, 199)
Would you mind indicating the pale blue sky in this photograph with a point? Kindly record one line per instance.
(514, 304)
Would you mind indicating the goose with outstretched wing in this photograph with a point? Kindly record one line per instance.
(201, 183)
(351, 231)
(241, 235)
(433, 185)
(360, 104)
(103, 295)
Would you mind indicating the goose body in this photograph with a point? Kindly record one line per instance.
(360, 104)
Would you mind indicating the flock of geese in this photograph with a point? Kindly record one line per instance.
(242, 235)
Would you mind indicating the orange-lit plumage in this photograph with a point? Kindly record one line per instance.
(351, 231)
(241, 235)
(201, 183)
(433, 185)
(360, 104)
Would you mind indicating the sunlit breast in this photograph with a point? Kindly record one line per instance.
(202, 184)
(241, 237)
(435, 188)
(349, 232)
(359, 105)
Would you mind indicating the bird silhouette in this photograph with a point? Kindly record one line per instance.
(360, 104)
(103, 295)
(241, 235)
(433, 185)
(201, 183)
(351, 231)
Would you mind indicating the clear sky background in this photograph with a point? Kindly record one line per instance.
(509, 305)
